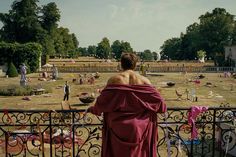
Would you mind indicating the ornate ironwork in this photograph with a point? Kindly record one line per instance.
(69, 133)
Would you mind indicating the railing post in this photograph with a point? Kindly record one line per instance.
(6, 142)
(73, 133)
(214, 131)
(50, 128)
(203, 139)
(191, 154)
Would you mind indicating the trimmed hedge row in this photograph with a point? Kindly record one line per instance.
(16, 53)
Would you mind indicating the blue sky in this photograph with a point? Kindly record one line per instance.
(146, 24)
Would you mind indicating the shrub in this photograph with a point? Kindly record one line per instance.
(11, 71)
(17, 90)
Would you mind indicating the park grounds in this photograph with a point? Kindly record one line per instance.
(221, 90)
(214, 90)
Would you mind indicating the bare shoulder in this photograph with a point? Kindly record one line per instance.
(128, 78)
(145, 80)
(116, 79)
(136, 78)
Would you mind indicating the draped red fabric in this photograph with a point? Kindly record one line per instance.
(130, 120)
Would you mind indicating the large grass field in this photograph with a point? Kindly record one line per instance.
(222, 90)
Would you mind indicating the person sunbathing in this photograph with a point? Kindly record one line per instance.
(129, 104)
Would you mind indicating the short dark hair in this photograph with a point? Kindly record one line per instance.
(128, 61)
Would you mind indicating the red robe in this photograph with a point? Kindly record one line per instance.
(130, 120)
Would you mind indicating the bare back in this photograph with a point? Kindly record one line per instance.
(128, 77)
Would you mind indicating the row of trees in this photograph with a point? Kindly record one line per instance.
(215, 30)
(28, 22)
(108, 51)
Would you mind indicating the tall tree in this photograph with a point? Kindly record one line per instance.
(116, 49)
(104, 49)
(190, 42)
(171, 48)
(64, 39)
(234, 33)
(126, 47)
(146, 55)
(50, 16)
(119, 47)
(216, 29)
(83, 51)
(58, 43)
(92, 50)
(25, 22)
(21, 24)
(75, 40)
(48, 44)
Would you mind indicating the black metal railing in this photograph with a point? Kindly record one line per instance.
(42, 133)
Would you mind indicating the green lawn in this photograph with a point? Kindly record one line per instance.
(221, 90)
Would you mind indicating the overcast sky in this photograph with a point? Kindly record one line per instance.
(146, 24)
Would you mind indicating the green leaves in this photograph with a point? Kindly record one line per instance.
(171, 47)
(16, 53)
(26, 22)
(146, 55)
(215, 30)
(11, 71)
(51, 15)
(104, 49)
(92, 50)
(119, 47)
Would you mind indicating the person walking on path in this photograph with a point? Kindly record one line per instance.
(66, 91)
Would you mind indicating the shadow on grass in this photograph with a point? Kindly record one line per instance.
(80, 104)
(166, 86)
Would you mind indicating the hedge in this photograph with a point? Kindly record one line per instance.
(28, 53)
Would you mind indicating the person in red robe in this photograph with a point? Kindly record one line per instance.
(129, 104)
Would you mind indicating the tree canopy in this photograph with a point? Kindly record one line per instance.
(28, 22)
(21, 24)
(118, 47)
(50, 16)
(147, 55)
(215, 30)
(104, 49)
